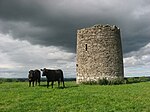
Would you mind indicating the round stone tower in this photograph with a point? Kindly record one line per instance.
(99, 53)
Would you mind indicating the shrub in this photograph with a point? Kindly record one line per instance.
(8, 80)
(117, 81)
(103, 81)
(137, 79)
(144, 79)
(91, 82)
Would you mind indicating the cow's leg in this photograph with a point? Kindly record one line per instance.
(52, 83)
(33, 83)
(36, 82)
(63, 84)
(47, 84)
(39, 81)
(29, 83)
(58, 83)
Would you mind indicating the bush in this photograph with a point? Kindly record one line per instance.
(137, 79)
(91, 82)
(8, 80)
(103, 81)
(144, 79)
(117, 81)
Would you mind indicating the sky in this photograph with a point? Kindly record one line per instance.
(37, 34)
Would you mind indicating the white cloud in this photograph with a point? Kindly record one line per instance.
(19, 56)
(137, 63)
(140, 57)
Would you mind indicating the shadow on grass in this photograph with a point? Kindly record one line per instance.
(66, 87)
(43, 85)
(72, 86)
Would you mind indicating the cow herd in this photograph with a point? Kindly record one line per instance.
(51, 76)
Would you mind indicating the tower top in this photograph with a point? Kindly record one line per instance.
(99, 27)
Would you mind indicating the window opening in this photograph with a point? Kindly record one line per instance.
(86, 47)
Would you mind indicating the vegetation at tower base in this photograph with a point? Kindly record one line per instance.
(117, 81)
(99, 53)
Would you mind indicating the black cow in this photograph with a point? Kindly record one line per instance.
(53, 75)
(34, 75)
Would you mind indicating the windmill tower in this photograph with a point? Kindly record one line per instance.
(99, 53)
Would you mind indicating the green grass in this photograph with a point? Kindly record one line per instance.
(18, 97)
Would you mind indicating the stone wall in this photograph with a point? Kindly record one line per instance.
(99, 53)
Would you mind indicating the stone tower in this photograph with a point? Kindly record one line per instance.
(99, 53)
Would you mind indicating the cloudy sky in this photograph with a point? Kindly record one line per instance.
(42, 33)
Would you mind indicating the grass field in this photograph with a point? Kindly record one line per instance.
(18, 97)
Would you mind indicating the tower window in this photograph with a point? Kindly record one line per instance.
(86, 47)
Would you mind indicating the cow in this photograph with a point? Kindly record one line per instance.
(53, 75)
(34, 75)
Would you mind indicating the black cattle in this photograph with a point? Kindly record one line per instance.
(53, 75)
(34, 75)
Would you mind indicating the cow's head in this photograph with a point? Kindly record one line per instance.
(44, 71)
(31, 74)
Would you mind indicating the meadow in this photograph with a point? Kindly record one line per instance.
(18, 97)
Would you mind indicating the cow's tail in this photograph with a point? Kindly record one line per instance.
(39, 77)
(62, 78)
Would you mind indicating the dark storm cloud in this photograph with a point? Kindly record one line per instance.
(54, 22)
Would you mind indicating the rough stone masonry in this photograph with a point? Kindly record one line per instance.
(99, 53)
